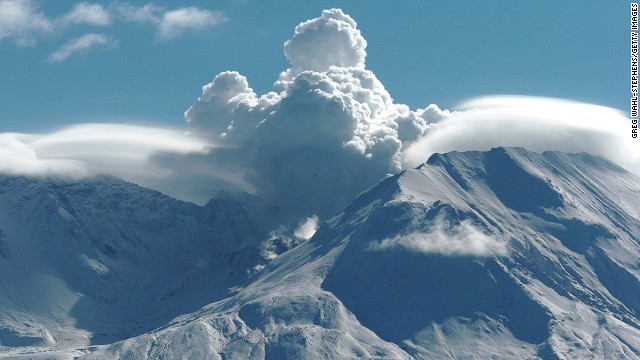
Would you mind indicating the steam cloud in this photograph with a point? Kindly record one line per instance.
(307, 228)
(326, 132)
(463, 240)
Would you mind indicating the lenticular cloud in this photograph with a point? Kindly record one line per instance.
(535, 123)
(135, 153)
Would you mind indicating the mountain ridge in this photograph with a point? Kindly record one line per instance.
(77, 253)
(504, 253)
(549, 298)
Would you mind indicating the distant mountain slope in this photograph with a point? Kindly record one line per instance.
(505, 253)
(102, 260)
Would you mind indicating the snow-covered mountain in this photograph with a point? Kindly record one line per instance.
(506, 254)
(101, 260)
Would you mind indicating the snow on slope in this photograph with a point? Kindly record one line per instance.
(101, 260)
(507, 254)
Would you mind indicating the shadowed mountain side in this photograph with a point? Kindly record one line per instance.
(416, 285)
(412, 291)
(109, 260)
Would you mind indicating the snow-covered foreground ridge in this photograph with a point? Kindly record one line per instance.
(505, 253)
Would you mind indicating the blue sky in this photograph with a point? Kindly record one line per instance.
(422, 51)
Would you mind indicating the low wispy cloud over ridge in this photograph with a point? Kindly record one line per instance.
(136, 153)
(535, 123)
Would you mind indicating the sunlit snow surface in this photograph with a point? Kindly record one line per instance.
(93, 268)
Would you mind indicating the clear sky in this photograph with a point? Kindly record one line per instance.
(149, 69)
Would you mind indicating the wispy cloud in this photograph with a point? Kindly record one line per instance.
(25, 22)
(82, 44)
(86, 13)
(22, 21)
(176, 22)
(149, 13)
